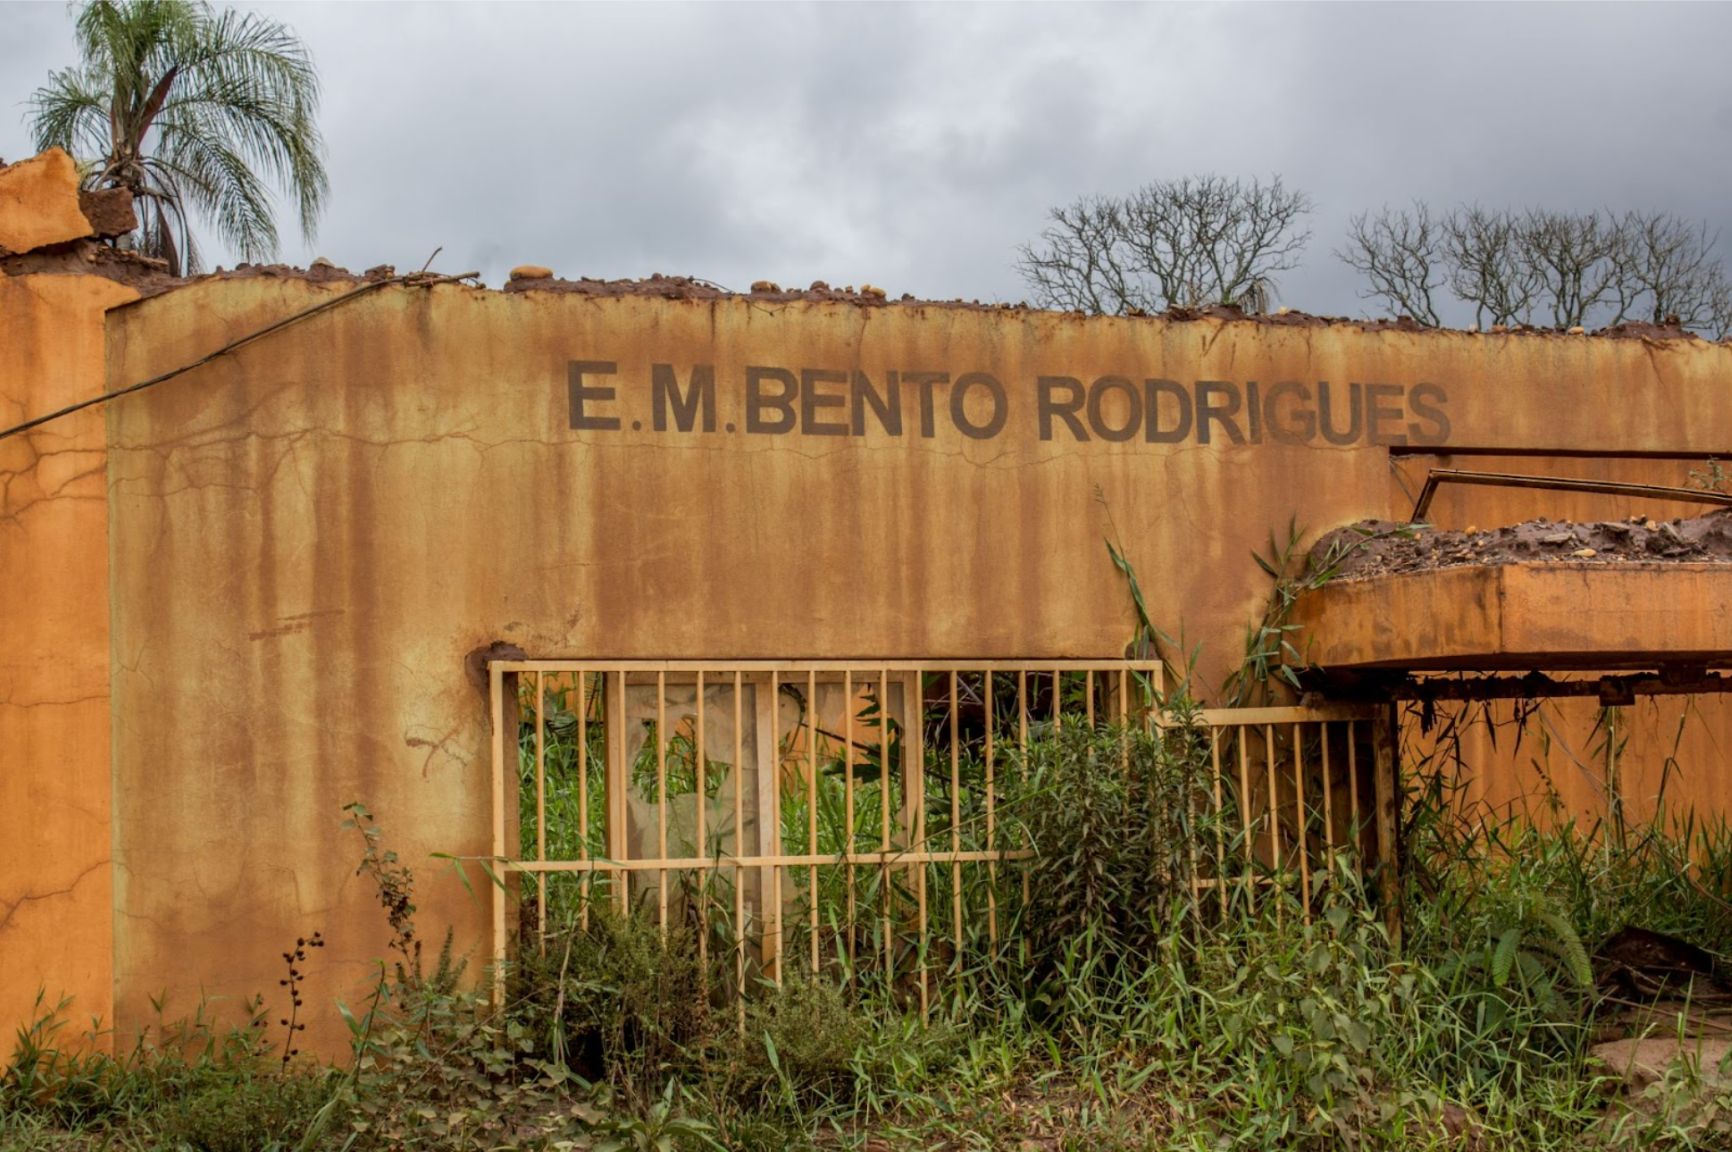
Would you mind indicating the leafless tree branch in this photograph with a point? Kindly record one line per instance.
(1172, 243)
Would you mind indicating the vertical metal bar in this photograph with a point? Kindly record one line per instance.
(662, 802)
(1243, 736)
(1274, 807)
(1220, 819)
(540, 811)
(739, 773)
(1353, 786)
(1022, 715)
(884, 773)
(587, 884)
(991, 829)
(955, 822)
(1299, 805)
(617, 783)
(775, 902)
(914, 772)
(701, 801)
(848, 804)
(1386, 782)
(1089, 697)
(812, 807)
(1328, 805)
(1057, 701)
(1022, 749)
(1125, 728)
(496, 706)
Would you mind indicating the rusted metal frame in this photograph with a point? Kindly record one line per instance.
(773, 931)
(587, 889)
(700, 802)
(896, 857)
(1299, 806)
(955, 822)
(1274, 810)
(1220, 832)
(1328, 805)
(812, 812)
(1022, 756)
(739, 852)
(496, 702)
(991, 827)
(616, 864)
(1245, 817)
(914, 801)
(662, 802)
(887, 928)
(848, 708)
(1387, 784)
(563, 664)
(1353, 789)
(1297, 714)
(1611, 689)
(1439, 476)
(617, 779)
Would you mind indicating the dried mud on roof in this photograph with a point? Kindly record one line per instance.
(151, 278)
(1373, 548)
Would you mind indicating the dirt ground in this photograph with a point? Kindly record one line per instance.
(1385, 548)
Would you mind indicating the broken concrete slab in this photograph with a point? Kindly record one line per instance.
(39, 203)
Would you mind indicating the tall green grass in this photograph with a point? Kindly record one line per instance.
(1110, 1016)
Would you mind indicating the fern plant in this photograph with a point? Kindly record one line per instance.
(1528, 969)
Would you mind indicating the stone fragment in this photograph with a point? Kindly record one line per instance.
(533, 272)
(765, 286)
(872, 292)
(1578, 330)
(109, 211)
(39, 203)
(1584, 553)
(1557, 538)
(1644, 1062)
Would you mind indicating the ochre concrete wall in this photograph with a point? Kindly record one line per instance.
(309, 535)
(56, 907)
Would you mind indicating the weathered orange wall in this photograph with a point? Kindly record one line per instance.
(56, 907)
(309, 535)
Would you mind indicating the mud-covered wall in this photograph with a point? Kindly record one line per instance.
(310, 535)
(56, 909)
(56, 889)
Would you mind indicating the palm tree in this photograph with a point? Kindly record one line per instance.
(186, 107)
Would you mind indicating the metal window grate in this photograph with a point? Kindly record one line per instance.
(804, 814)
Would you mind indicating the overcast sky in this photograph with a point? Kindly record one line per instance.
(914, 147)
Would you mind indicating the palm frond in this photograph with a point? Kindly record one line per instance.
(194, 110)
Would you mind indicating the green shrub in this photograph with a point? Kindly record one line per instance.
(234, 1110)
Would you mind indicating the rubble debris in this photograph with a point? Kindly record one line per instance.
(109, 211)
(1373, 548)
(532, 272)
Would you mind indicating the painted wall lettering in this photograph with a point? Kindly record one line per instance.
(923, 403)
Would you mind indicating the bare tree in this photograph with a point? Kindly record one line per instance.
(1402, 254)
(1172, 243)
(1080, 264)
(1571, 258)
(1488, 266)
(1560, 269)
(1669, 271)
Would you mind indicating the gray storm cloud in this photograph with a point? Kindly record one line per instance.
(915, 147)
